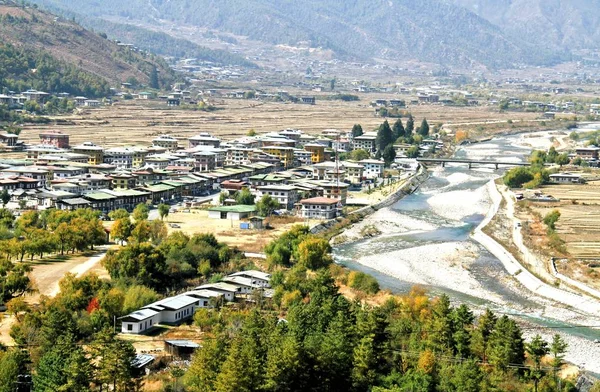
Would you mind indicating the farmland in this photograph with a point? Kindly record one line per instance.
(137, 122)
(578, 227)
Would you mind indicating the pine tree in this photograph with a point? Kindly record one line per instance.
(154, 78)
(537, 349)
(398, 129)
(389, 154)
(410, 125)
(357, 130)
(384, 136)
(462, 319)
(506, 345)
(424, 128)
(481, 335)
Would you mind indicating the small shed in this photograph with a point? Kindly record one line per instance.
(181, 348)
(140, 364)
(257, 223)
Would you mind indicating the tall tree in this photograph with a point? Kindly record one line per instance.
(424, 128)
(141, 212)
(537, 349)
(389, 154)
(384, 136)
(410, 125)
(5, 197)
(163, 211)
(154, 78)
(357, 130)
(481, 335)
(398, 129)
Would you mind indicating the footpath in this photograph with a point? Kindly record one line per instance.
(580, 302)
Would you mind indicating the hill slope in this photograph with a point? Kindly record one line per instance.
(427, 30)
(54, 54)
(566, 24)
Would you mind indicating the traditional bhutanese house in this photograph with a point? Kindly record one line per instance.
(161, 193)
(101, 201)
(47, 199)
(318, 208)
(73, 204)
(127, 198)
(566, 178)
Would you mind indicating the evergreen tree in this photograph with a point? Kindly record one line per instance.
(389, 154)
(481, 335)
(506, 345)
(410, 125)
(205, 366)
(398, 129)
(154, 78)
(424, 128)
(384, 136)
(537, 349)
(462, 320)
(357, 130)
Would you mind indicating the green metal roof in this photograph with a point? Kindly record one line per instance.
(99, 196)
(238, 208)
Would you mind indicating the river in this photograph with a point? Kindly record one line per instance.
(426, 240)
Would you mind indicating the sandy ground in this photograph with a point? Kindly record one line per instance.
(229, 232)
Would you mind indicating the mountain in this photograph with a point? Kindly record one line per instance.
(563, 24)
(426, 30)
(42, 51)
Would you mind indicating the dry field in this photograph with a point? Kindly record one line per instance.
(229, 232)
(578, 227)
(137, 122)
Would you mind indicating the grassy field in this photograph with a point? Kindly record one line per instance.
(138, 122)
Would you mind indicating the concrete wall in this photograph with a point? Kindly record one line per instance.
(411, 185)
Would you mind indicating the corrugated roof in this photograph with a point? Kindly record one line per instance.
(238, 208)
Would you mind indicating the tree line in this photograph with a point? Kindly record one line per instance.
(388, 135)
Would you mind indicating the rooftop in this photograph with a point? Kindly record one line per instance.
(238, 208)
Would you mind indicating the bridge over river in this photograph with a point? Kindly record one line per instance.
(470, 162)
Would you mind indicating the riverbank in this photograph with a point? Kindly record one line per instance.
(410, 185)
(520, 272)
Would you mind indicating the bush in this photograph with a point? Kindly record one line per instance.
(363, 282)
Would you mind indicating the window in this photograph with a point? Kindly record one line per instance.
(130, 327)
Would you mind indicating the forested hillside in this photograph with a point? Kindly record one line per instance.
(427, 30)
(41, 51)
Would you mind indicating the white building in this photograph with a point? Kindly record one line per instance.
(174, 309)
(318, 208)
(166, 141)
(365, 142)
(229, 291)
(286, 195)
(204, 139)
(373, 168)
(258, 277)
(139, 321)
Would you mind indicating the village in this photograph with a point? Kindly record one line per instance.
(298, 170)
